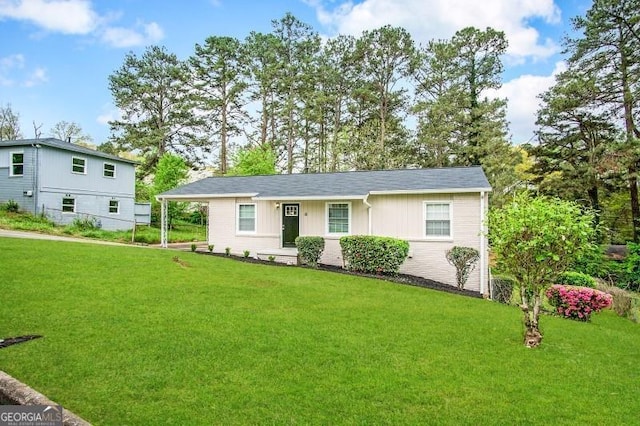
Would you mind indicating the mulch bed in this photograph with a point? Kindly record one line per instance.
(398, 279)
(8, 341)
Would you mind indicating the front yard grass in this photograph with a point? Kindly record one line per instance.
(180, 232)
(133, 337)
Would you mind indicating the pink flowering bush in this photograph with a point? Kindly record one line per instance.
(577, 302)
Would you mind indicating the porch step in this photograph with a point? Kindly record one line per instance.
(283, 255)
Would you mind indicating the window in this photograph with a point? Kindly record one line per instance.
(246, 218)
(17, 164)
(338, 218)
(79, 165)
(68, 205)
(437, 217)
(291, 211)
(114, 206)
(109, 170)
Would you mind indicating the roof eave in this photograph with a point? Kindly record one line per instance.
(310, 197)
(430, 191)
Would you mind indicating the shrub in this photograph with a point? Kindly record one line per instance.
(246, 253)
(11, 206)
(210, 248)
(577, 302)
(371, 254)
(86, 223)
(310, 249)
(502, 289)
(272, 258)
(193, 247)
(227, 251)
(625, 304)
(464, 259)
(630, 277)
(576, 279)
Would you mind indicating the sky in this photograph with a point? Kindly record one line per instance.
(56, 55)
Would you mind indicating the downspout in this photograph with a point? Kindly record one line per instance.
(483, 251)
(366, 203)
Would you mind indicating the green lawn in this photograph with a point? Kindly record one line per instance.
(132, 337)
(181, 231)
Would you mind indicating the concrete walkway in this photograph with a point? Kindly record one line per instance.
(36, 236)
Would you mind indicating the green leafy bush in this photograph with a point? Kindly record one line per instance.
(371, 254)
(502, 289)
(227, 251)
(86, 223)
(576, 279)
(193, 247)
(272, 258)
(11, 206)
(464, 259)
(246, 253)
(310, 249)
(630, 274)
(210, 248)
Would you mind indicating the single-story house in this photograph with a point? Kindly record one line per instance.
(65, 181)
(433, 209)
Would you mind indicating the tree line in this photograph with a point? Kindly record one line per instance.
(341, 104)
(290, 102)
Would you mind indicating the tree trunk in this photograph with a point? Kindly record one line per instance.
(532, 334)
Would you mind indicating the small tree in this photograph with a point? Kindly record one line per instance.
(171, 172)
(535, 240)
(253, 161)
(464, 259)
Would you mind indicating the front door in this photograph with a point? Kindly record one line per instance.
(290, 224)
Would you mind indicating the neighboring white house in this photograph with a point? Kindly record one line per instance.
(433, 209)
(67, 181)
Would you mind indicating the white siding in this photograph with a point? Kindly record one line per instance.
(399, 216)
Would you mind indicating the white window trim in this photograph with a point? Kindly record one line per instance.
(117, 207)
(424, 221)
(74, 205)
(326, 219)
(114, 170)
(85, 165)
(11, 163)
(255, 218)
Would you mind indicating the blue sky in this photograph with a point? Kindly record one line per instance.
(56, 55)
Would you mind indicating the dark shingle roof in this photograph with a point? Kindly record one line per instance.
(345, 184)
(57, 143)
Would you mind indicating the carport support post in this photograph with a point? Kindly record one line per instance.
(163, 223)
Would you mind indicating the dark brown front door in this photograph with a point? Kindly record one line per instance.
(290, 224)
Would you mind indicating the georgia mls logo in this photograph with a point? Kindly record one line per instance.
(30, 415)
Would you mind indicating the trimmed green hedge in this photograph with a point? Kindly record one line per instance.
(371, 254)
(577, 279)
(310, 249)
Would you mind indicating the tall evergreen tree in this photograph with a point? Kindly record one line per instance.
(607, 52)
(385, 57)
(218, 70)
(157, 107)
(458, 124)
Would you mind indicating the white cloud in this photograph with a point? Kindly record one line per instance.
(438, 19)
(110, 113)
(38, 76)
(12, 72)
(126, 37)
(65, 16)
(523, 102)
